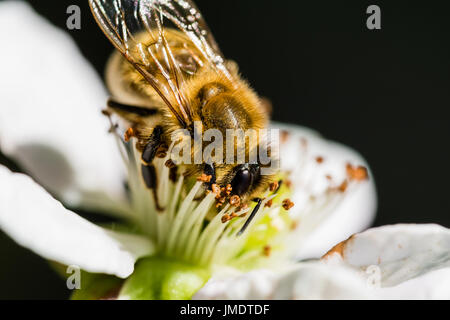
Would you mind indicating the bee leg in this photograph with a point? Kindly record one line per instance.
(150, 180)
(252, 215)
(154, 141)
(126, 108)
(209, 171)
(147, 168)
(149, 175)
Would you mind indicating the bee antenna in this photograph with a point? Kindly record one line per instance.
(252, 215)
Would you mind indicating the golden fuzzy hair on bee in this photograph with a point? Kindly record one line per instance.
(211, 98)
(129, 86)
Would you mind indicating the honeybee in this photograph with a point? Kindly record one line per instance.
(168, 73)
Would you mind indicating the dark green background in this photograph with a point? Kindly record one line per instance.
(384, 93)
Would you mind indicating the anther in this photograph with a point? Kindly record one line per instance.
(204, 178)
(226, 218)
(129, 134)
(284, 136)
(170, 164)
(287, 204)
(161, 154)
(358, 173)
(273, 186)
(267, 250)
(235, 200)
(216, 190)
(343, 186)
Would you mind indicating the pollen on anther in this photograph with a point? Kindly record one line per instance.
(129, 134)
(358, 173)
(288, 183)
(216, 190)
(170, 164)
(220, 201)
(294, 225)
(267, 250)
(226, 218)
(284, 136)
(204, 178)
(343, 186)
(162, 151)
(269, 203)
(228, 189)
(161, 154)
(235, 201)
(287, 204)
(273, 186)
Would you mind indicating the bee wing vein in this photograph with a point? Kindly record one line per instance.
(123, 21)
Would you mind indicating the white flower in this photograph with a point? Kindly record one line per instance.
(52, 127)
(392, 262)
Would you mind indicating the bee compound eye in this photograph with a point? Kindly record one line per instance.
(241, 181)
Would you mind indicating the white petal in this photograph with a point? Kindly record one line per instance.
(305, 281)
(324, 225)
(401, 252)
(50, 119)
(257, 285)
(318, 281)
(30, 216)
(432, 285)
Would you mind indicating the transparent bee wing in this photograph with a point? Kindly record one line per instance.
(186, 17)
(125, 21)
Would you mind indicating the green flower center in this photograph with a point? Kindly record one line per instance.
(161, 278)
(186, 226)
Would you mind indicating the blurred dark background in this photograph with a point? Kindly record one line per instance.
(383, 92)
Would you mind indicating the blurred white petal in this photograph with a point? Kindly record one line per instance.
(257, 285)
(313, 280)
(393, 262)
(318, 281)
(321, 228)
(432, 285)
(35, 220)
(50, 120)
(401, 252)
